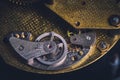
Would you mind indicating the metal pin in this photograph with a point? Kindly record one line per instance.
(17, 35)
(23, 35)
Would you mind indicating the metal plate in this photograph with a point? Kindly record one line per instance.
(83, 14)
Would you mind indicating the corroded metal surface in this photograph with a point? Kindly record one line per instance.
(38, 19)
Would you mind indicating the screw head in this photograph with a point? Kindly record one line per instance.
(114, 20)
(21, 48)
(103, 45)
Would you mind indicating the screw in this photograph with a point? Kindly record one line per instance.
(21, 48)
(103, 45)
(114, 20)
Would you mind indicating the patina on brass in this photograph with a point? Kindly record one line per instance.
(89, 13)
(67, 14)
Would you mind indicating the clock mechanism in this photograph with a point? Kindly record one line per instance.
(54, 36)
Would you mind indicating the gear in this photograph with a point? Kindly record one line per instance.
(56, 57)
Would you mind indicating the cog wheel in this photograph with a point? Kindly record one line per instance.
(56, 42)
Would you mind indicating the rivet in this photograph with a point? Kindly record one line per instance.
(21, 48)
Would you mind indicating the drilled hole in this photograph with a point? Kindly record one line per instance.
(83, 3)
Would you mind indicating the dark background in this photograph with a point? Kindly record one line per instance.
(100, 70)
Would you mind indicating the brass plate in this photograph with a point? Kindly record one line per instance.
(89, 13)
